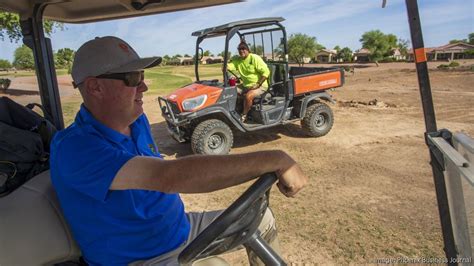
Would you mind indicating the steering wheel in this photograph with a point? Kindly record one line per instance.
(237, 225)
(239, 80)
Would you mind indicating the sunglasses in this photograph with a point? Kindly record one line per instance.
(241, 48)
(131, 79)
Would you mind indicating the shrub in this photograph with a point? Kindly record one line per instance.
(4, 84)
(454, 64)
(5, 64)
(387, 60)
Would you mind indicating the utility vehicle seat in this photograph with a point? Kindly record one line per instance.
(274, 83)
(32, 228)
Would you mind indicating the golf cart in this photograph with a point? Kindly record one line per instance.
(32, 228)
(206, 111)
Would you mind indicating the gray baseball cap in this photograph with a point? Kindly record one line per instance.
(107, 55)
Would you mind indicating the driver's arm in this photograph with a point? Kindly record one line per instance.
(259, 83)
(206, 173)
(231, 66)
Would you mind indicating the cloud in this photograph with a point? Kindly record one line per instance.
(123, 27)
(436, 15)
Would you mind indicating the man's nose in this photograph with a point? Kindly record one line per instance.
(142, 87)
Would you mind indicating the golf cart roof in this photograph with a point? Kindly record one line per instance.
(243, 24)
(80, 11)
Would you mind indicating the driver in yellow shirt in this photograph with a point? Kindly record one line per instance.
(253, 73)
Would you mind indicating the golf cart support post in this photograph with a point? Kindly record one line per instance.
(33, 37)
(458, 250)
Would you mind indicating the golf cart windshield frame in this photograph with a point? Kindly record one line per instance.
(34, 38)
(240, 28)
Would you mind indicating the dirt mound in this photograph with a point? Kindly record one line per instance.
(372, 103)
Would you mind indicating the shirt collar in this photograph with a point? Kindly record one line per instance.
(84, 117)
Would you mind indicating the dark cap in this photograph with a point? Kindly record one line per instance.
(243, 45)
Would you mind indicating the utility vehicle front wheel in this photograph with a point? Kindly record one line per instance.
(318, 120)
(212, 137)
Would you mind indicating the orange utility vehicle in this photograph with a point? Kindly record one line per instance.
(206, 111)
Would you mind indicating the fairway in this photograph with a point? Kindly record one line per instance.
(165, 79)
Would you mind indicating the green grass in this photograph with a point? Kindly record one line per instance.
(29, 73)
(19, 73)
(60, 72)
(70, 110)
(165, 79)
(162, 83)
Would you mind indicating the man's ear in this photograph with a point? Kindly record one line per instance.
(93, 87)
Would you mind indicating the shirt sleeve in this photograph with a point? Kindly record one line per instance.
(231, 66)
(88, 164)
(261, 66)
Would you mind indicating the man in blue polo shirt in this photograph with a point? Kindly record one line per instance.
(118, 195)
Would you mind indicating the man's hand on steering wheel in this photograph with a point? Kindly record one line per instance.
(291, 178)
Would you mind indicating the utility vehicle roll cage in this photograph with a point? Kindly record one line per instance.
(230, 29)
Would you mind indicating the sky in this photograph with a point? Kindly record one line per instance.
(332, 22)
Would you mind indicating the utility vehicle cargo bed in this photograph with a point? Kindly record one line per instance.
(311, 79)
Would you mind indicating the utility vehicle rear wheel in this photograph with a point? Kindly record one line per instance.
(318, 120)
(212, 137)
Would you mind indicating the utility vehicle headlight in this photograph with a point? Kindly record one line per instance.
(194, 103)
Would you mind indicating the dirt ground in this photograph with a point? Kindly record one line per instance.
(371, 193)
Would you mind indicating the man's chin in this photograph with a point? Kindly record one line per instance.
(138, 109)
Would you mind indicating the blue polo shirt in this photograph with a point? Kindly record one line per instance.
(112, 227)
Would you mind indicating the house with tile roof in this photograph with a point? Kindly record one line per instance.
(362, 55)
(450, 51)
(326, 56)
(206, 60)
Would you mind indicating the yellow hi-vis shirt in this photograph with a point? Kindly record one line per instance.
(250, 69)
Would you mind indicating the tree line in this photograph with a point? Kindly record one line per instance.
(23, 56)
(300, 46)
(380, 46)
(23, 59)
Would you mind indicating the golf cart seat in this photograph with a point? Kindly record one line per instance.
(33, 230)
